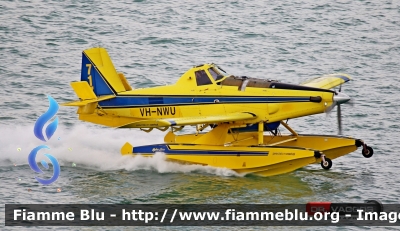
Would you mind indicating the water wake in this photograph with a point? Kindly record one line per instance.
(94, 147)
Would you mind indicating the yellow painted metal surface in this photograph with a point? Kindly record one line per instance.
(124, 82)
(83, 90)
(126, 149)
(327, 81)
(150, 123)
(326, 144)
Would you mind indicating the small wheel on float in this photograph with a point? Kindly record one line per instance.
(368, 152)
(327, 164)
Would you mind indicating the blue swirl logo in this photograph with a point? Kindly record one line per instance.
(42, 120)
(35, 167)
(38, 131)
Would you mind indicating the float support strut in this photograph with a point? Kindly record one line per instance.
(260, 133)
(289, 128)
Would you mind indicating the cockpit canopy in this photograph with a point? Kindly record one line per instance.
(207, 74)
(202, 78)
(212, 74)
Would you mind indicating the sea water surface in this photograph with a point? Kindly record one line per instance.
(153, 43)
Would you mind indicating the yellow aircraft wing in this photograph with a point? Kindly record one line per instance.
(327, 81)
(153, 123)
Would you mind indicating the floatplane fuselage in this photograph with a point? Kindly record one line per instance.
(242, 115)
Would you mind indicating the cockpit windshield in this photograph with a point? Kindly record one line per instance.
(213, 73)
(216, 74)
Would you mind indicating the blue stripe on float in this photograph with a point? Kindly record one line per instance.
(164, 148)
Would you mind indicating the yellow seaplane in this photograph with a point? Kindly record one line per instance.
(237, 118)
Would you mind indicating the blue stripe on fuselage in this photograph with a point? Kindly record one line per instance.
(146, 101)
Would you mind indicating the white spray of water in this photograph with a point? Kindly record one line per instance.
(94, 147)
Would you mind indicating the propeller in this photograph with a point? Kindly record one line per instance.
(339, 119)
(339, 115)
(338, 99)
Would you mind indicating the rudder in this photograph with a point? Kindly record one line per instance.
(99, 71)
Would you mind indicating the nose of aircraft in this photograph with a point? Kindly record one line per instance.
(341, 98)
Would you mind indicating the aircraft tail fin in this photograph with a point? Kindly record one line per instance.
(99, 71)
(99, 81)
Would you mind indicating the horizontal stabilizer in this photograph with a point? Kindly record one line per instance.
(83, 90)
(154, 123)
(85, 94)
(79, 103)
(327, 81)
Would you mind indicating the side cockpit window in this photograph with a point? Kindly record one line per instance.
(202, 78)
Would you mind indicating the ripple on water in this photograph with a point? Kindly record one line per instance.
(153, 43)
